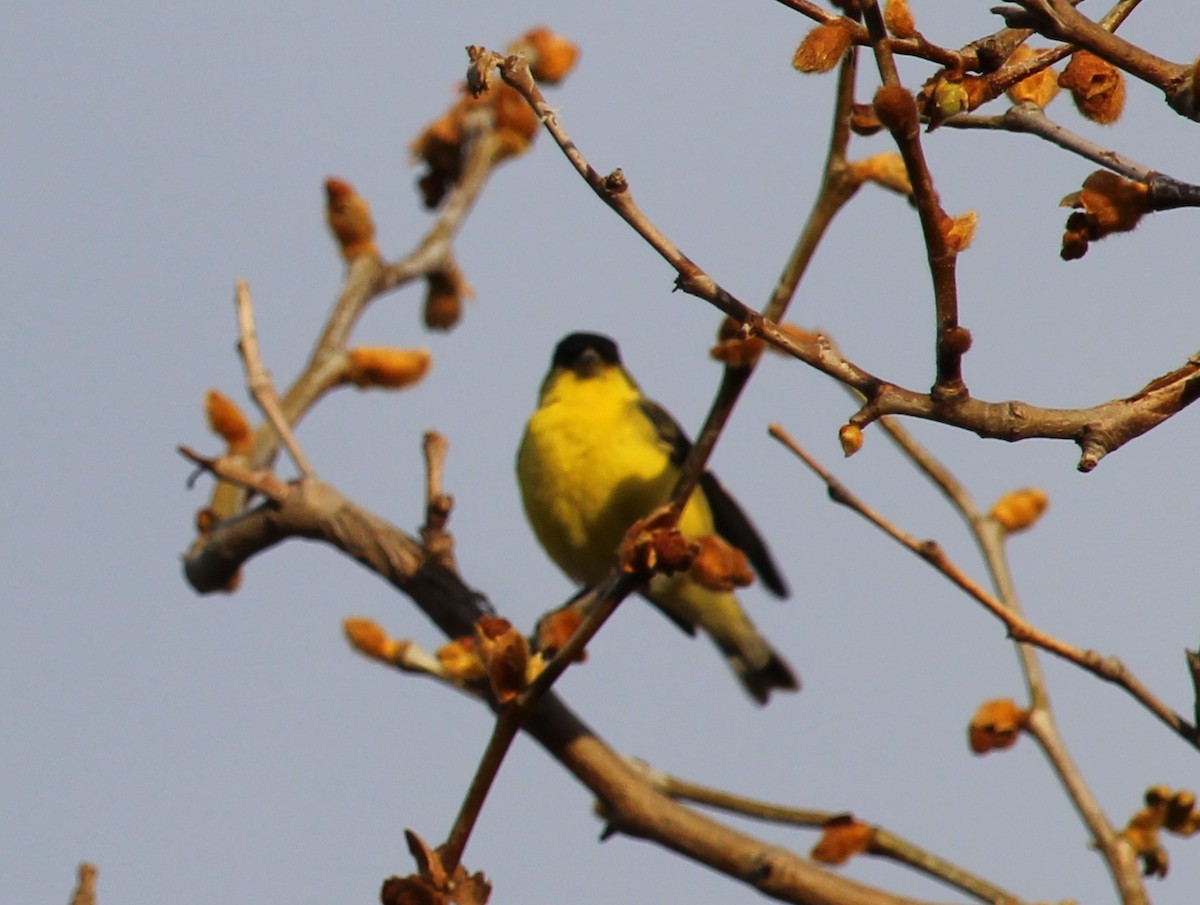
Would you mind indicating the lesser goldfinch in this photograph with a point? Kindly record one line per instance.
(597, 455)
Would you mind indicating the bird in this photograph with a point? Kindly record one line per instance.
(596, 456)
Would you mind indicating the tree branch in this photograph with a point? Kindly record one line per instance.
(1110, 669)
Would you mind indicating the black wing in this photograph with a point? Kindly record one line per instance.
(728, 518)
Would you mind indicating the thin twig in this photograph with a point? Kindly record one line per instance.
(607, 597)
(1030, 119)
(952, 341)
(884, 843)
(1110, 669)
(990, 537)
(233, 468)
(438, 504)
(262, 388)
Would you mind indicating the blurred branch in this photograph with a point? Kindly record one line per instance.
(880, 842)
(258, 379)
(1110, 669)
(991, 538)
(438, 542)
(315, 510)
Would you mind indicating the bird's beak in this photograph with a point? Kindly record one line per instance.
(588, 364)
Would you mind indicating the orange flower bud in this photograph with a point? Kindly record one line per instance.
(1039, 88)
(733, 349)
(851, 438)
(996, 725)
(226, 420)
(1142, 831)
(823, 47)
(1020, 509)
(655, 544)
(369, 639)
(720, 566)
(1106, 204)
(349, 218)
(385, 367)
(899, 19)
(516, 123)
(961, 230)
(886, 169)
(551, 56)
(842, 838)
(556, 628)
(505, 653)
(1096, 86)
(461, 661)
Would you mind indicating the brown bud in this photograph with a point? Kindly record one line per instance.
(851, 438)
(1039, 88)
(655, 544)
(842, 838)
(516, 123)
(349, 218)
(505, 653)
(1108, 204)
(386, 367)
(461, 661)
(823, 47)
(1096, 86)
(1020, 509)
(226, 420)
(445, 292)
(735, 349)
(896, 109)
(369, 639)
(898, 19)
(556, 628)
(996, 725)
(1180, 817)
(719, 566)
(961, 231)
(551, 56)
(1142, 832)
(885, 169)
(956, 341)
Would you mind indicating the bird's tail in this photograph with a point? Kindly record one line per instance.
(759, 667)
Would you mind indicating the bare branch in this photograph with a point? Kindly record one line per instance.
(437, 540)
(1110, 669)
(258, 378)
(883, 843)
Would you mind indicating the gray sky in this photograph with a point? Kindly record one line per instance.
(234, 749)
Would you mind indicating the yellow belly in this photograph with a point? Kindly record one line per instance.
(588, 470)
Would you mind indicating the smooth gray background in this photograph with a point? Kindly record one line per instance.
(233, 749)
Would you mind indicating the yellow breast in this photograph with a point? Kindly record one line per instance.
(590, 464)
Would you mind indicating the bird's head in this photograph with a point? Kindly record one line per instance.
(585, 354)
